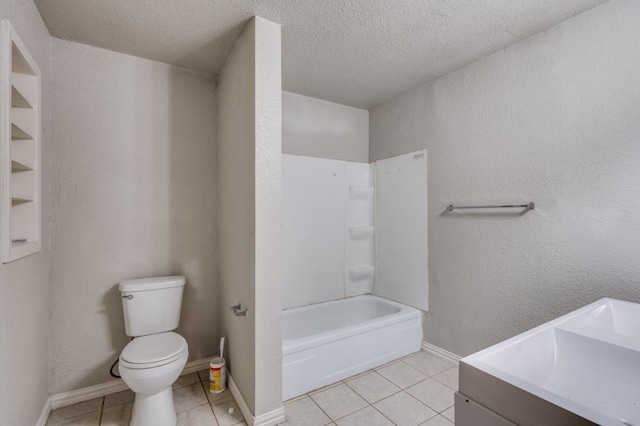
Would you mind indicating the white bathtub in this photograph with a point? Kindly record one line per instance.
(327, 342)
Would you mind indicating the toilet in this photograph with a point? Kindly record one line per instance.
(154, 359)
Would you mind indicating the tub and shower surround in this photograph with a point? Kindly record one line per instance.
(350, 229)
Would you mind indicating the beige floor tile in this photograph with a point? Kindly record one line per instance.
(215, 398)
(223, 416)
(295, 398)
(75, 410)
(118, 415)
(189, 397)
(401, 374)
(186, 380)
(90, 419)
(449, 413)
(427, 363)
(204, 375)
(373, 387)
(199, 416)
(339, 401)
(449, 377)
(403, 409)
(324, 388)
(387, 364)
(368, 416)
(433, 393)
(119, 398)
(437, 421)
(305, 412)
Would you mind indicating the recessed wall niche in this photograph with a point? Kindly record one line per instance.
(19, 148)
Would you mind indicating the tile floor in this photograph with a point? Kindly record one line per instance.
(415, 390)
(195, 405)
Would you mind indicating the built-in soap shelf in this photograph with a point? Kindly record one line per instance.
(20, 146)
(361, 232)
(357, 192)
(361, 273)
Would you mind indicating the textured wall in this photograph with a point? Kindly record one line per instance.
(316, 128)
(268, 166)
(553, 119)
(24, 283)
(236, 208)
(134, 195)
(249, 187)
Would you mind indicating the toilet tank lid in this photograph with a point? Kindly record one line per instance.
(152, 283)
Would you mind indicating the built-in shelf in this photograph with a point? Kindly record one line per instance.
(361, 232)
(20, 148)
(361, 273)
(361, 192)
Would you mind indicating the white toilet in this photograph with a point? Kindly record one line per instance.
(154, 359)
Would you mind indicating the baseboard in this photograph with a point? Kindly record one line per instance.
(440, 353)
(44, 414)
(272, 418)
(113, 386)
(269, 419)
(85, 394)
(197, 365)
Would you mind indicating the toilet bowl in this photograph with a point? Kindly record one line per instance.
(149, 365)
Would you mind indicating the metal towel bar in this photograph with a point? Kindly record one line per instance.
(528, 206)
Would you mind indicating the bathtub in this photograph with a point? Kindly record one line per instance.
(330, 341)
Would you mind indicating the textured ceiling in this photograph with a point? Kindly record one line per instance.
(355, 52)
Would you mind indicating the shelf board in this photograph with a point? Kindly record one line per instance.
(19, 63)
(18, 134)
(24, 90)
(17, 166)
(17, 100)
(20, 199)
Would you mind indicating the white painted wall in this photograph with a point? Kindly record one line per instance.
(24, 284)
(133, 195)
(553, 119)
(249, 186)
(316, 128)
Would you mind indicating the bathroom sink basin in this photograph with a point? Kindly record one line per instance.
(586, 362)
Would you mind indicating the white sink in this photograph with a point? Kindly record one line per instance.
(586, 362)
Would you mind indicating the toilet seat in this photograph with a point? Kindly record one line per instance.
(154, 350)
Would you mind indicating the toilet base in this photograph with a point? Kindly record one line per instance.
(154, 410)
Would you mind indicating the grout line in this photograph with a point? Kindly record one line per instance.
(318, 405)
(101, 410)
(374, 407)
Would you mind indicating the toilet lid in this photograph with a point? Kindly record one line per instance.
(153, 349)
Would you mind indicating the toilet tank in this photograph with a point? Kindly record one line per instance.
(151, 305)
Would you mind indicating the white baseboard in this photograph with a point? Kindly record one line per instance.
(440, 353)
(44, 414)
(113, 386)
(269, 419)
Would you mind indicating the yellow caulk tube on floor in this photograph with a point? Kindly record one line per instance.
(218, 372)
